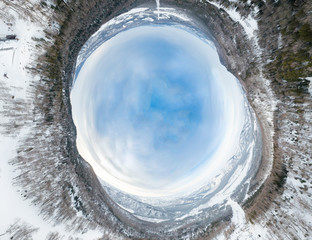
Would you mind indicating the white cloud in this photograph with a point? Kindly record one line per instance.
(132, 103)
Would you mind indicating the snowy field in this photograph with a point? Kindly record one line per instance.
(18, 217)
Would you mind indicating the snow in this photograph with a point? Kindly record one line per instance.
(249, 24)
(310, 85)
(240, 228)
(155, 220)
(158, 6)
(225, 194)
(166, 13)
(265, 103)
(279, 41)
(15, 57)
(238, 218)
(13, 206)
(133, 11)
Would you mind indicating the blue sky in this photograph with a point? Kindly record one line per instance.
(153, 107)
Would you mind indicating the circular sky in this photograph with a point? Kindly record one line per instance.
(156, 112)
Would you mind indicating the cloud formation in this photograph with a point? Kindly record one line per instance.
(156, 112)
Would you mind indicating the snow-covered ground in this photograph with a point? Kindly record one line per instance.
(289, 217)
(241, 228)
(310, 85)
(249, 23)
(18, 217)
